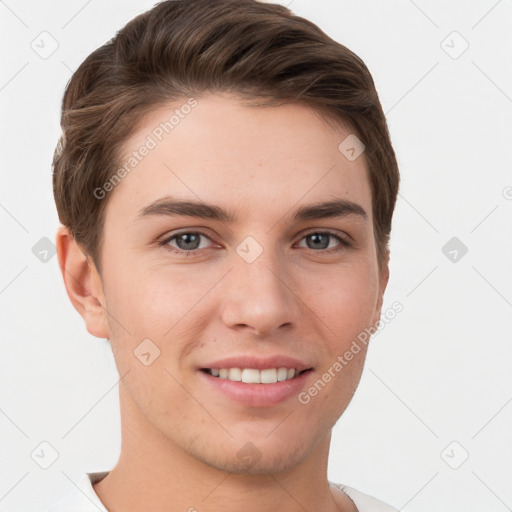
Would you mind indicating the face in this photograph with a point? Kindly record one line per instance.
(218, 260)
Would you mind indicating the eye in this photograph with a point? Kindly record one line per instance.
(322, 241)
(188, 243)
(185, 243)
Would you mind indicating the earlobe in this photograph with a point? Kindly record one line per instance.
(82, 282)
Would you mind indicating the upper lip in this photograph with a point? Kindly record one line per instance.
(258, 363)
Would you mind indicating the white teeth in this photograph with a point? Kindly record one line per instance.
(235, 374)
(254, 376)
(251, 376)
(269, 376)
(282, 374)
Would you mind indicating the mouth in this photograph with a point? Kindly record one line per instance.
(255, 376)
(256, 381)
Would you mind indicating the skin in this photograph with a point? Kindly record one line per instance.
(180, 436)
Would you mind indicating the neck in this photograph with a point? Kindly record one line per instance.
(153, 473)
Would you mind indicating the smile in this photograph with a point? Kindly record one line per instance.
(253, 375)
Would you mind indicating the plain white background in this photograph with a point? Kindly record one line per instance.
(429, 427)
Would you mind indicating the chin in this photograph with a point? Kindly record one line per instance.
(267, 465)
(258, 458)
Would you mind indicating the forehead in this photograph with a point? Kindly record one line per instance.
(225, 152)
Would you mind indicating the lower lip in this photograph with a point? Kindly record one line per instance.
(258, 395)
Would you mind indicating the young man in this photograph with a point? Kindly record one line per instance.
(226, 185)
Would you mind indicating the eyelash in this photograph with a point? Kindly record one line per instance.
(165, 242)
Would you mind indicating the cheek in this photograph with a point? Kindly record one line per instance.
(156, 317)
(157, 300)
(329, 394)
(345, 299)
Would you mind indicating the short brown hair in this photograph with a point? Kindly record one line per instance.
(184, 48)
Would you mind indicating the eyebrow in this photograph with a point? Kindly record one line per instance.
(336, 208)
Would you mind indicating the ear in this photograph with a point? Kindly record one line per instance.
(383, 282)
(83, 283)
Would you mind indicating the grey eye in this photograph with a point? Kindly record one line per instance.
(187, 241)
(319, 240)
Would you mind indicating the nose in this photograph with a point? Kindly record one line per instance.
(259, 297)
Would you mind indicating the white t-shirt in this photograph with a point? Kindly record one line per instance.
(84, 499)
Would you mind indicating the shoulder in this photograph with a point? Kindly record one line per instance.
(364, 502)
(82, 497)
